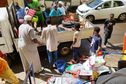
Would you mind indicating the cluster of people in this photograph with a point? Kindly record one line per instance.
(40, 11)
(28, 49)
(28, 40)
(59, 10)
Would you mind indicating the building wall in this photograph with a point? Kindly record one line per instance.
(3, 3)
(21, 2)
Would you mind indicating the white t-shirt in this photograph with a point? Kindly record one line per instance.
(78, 41)
(49, 34)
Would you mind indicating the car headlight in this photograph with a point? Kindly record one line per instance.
(84, 11)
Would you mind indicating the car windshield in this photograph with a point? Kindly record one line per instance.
(94, 3)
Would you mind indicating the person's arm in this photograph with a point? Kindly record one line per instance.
(33, 37)
(74, 39)
(43, 34)
(114, 22)
(51, 13)
(99, 45)
(59, 12)
(105, 23)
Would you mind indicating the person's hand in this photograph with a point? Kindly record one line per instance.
(40, 43)
(60, 25)
(71, 47)
(110, 23)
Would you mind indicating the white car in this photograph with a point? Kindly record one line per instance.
(101, 9)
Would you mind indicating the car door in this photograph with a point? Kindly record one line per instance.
(103, 10)
(118, 8)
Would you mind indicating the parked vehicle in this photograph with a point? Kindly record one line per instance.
(101, 9)
(8, 35)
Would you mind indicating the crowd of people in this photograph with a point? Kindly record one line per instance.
(27, 42)
(40, 12)
(27, 38)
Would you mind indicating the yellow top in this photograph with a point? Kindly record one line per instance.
(124, 56)
(3, 65)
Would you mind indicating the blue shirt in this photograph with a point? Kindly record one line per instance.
(55, 13)
(20, 13)
(96, 41)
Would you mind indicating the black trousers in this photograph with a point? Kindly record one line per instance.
(107, 36)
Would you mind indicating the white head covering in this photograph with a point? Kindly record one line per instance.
(26, 10)
(27, 18)
(60, 2)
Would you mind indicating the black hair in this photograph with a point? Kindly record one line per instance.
(97, 29)
(17, 6)
(77, 26)
(48, 21)
(112, 14)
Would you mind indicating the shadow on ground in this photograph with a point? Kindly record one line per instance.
(102, 21)
(114, 47)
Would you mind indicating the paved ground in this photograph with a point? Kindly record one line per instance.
(118, 32)
(112, 60)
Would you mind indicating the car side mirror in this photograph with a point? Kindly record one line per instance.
(99, 8)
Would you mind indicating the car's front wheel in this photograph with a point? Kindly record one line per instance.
(122, 17)
(90, 18)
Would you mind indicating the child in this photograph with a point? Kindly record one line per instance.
(76, 44)
(108, 28)
(96, 41)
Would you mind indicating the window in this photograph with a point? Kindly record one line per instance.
(94, 3)
(118, 3)
(106, 5)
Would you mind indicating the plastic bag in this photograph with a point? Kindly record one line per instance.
(60, 65)
(64, 80)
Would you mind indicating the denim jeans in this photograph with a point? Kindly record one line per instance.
(76, 53)
(52, 56)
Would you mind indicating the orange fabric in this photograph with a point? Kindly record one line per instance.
(99, 53)
(124, 45)
(3, 65)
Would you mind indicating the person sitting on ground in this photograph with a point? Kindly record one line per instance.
(96, 42)
(76, 44)
(5, 72)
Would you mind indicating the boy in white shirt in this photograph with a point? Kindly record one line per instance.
(76, 44)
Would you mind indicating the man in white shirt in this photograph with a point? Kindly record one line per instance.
(76, 43)
(27, 46)
(49, 36)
